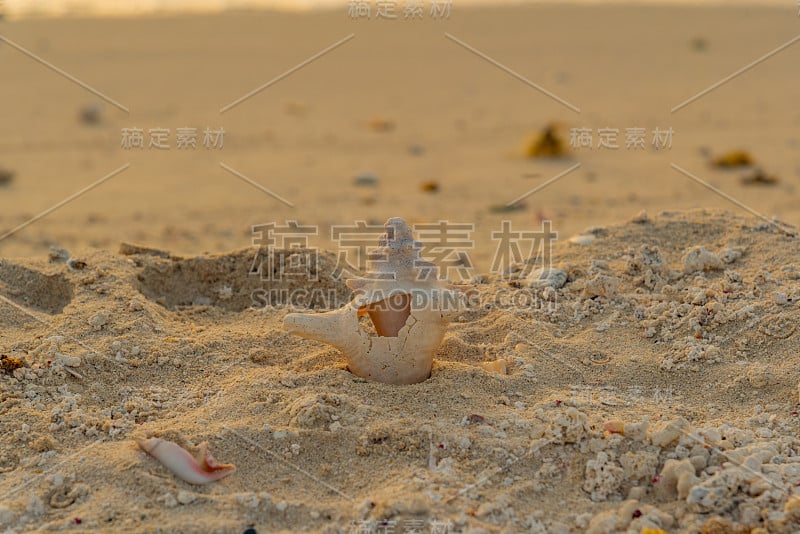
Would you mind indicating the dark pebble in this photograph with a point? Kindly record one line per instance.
(6, 176)
(366, 180)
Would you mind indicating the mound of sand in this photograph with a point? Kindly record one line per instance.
(652, 382)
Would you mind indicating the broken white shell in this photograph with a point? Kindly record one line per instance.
(407, 303)
(200, 470)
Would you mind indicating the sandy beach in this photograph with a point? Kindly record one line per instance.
(650, 384)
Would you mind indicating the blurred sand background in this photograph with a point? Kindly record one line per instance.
(656, 388)
(308, 136)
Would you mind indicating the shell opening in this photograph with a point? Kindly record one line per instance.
(389, 315)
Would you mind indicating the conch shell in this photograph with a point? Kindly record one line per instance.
(407, 303)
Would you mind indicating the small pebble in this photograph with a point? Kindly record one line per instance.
(69, 361)
(295, 108)
(614, 426)
(640, 218)
(91, 114)
(430, 187)
(98, 321)
(416, 150)
(6, 176)
(365, 180)
(700, 259)
(499, 366)
(759, 177)
(476, 419)
(734, 158)
(74, 264)
(584, 239)
(730, 255)
(555, 278)
(169, 500)
(378, 124)
(699, 44)
(57, 255)
(185, 497)
(8, 364)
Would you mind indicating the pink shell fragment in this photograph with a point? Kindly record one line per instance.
(201, 470)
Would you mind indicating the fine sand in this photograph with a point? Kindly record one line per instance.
(652, 386)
